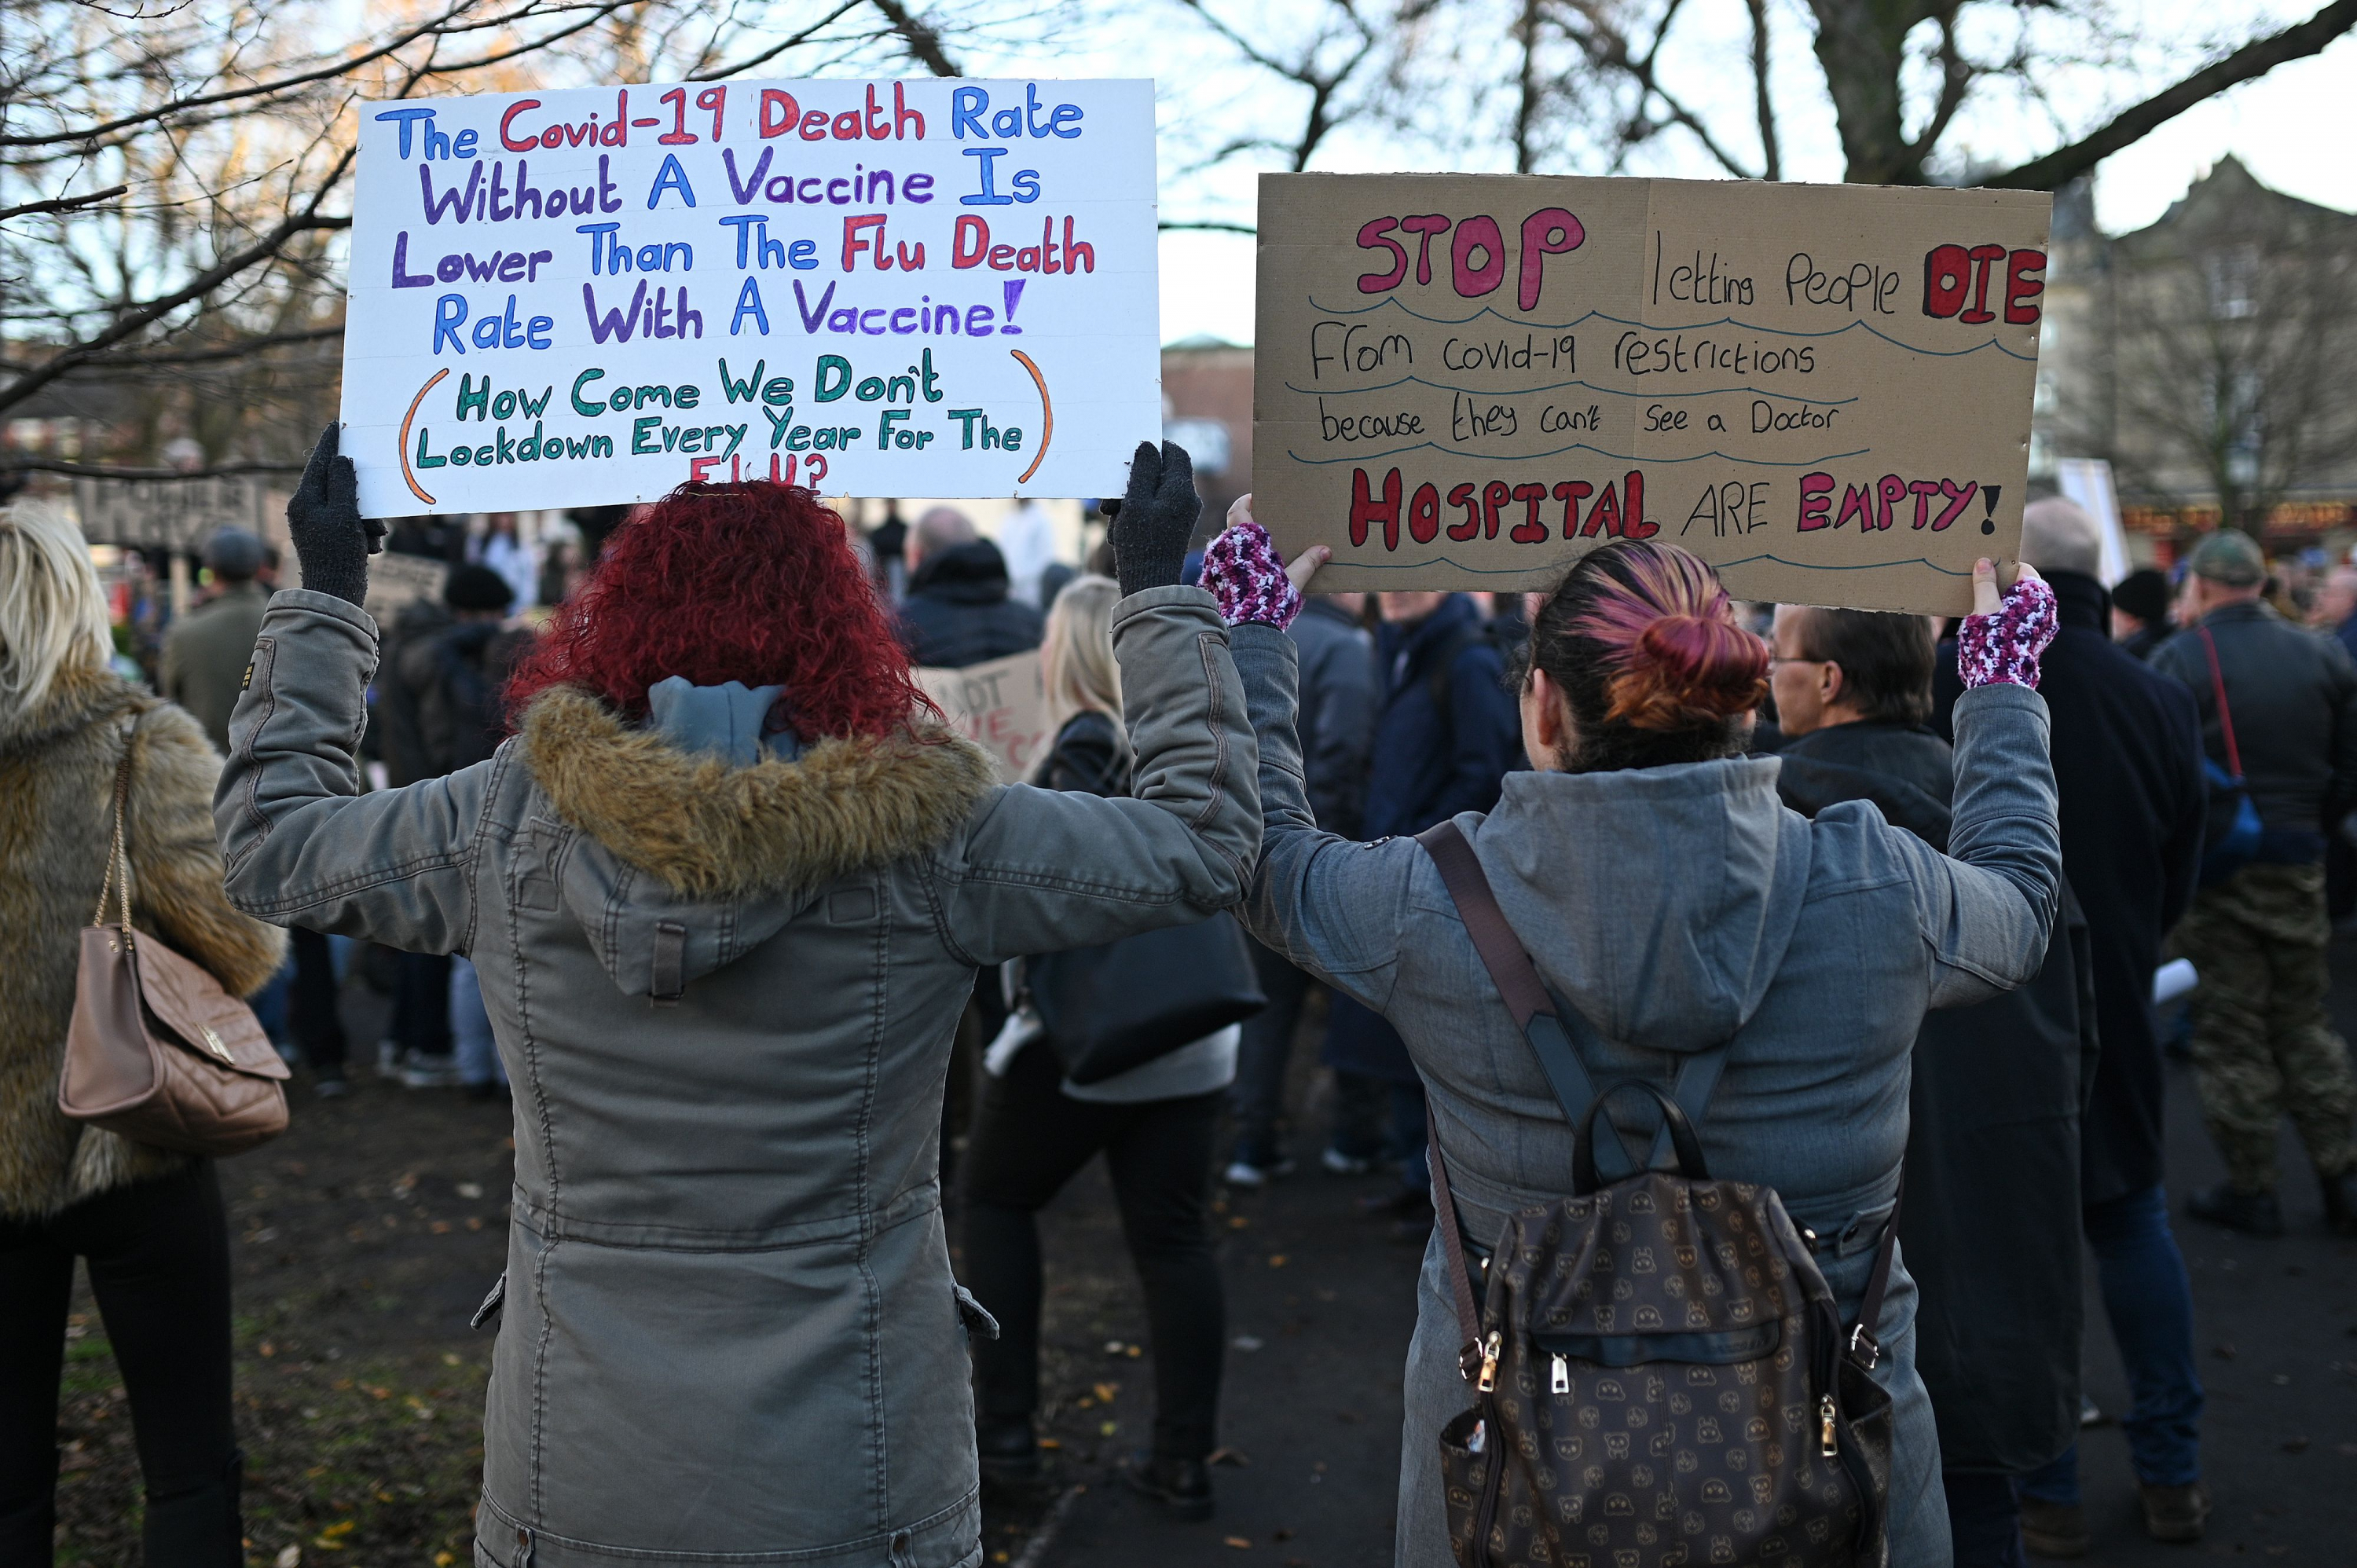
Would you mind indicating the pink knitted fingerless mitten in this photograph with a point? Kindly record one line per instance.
(1244, 573)
(2004, 646)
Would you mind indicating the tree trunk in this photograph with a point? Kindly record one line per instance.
(1861, 46)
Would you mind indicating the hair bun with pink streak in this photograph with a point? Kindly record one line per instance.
(1642, 640)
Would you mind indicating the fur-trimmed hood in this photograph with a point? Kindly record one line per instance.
(663, 841)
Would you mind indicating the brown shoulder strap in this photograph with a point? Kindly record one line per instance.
(1502, 954)
(1452, 1247)
(1525, 995)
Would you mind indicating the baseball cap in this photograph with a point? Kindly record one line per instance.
(2229, 557)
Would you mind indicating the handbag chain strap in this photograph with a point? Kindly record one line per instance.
(118, 855)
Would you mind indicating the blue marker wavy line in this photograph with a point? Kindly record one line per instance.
(1686, 326)
(1559, 386)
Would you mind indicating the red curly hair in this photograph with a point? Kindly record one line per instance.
(754, 582)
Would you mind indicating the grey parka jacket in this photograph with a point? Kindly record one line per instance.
(726, 997)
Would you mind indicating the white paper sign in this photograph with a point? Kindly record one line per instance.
(928, 287)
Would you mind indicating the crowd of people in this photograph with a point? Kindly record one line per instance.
(653, 831)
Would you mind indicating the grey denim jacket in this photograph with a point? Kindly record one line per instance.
(1676, 908)
(726, 997)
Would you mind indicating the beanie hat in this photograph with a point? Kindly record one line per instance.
(234, 554)
(2144, 594)
(478, 588)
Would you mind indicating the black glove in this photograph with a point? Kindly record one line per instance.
(323, 518)
(1156, 519)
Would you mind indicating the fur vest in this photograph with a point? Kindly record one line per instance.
(57, 780)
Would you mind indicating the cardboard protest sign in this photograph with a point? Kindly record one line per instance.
(1001, 707)
(397, 581)
(1465, 380)
(932, 287)
(175, 514)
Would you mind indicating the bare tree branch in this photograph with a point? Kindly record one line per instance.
(718, 72)
(133, 321)
(2254, 59)
(61, 203)
(1772, 161)
(923, 40)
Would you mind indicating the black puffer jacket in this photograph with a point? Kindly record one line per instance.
(957, 612)
(1990, 1220)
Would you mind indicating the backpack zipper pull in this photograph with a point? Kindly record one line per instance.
(1827, 1445)
(1489, 1362)
(1561, 1381)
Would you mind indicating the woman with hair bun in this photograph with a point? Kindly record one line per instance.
(1666, 894)
(725, 891)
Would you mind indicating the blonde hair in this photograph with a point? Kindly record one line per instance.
(52, 611)
(1076, 662)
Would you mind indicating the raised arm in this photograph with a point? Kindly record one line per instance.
(1986, 908)
(303, 845)
(1326, 903)
(1039, 871)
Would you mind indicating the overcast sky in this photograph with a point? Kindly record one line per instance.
(2296, 129)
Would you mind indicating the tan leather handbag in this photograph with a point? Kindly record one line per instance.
(157, 1051)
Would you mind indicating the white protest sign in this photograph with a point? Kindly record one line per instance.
(1001, 707)
(930, 288)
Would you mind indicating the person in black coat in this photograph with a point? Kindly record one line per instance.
(1448, 732)
(1990, 1217)
(958, 612)
(2126, 748)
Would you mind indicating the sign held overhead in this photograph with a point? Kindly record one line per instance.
(1466, 380)
(925, 287)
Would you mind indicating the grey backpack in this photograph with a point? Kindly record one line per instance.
(1660, 1374)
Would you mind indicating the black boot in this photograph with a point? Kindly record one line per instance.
(2341, 1202)
(1182, 1486)
(2252, 1213)
(1009, 1454)
(197, 1527)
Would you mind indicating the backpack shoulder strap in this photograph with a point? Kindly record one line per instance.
(1511, 970)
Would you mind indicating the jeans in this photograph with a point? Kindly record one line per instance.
(311, 1015)
(421, 1003)
(269, 1004)
(1029, 1139)
(1258, 1095)
(470, 1027)
(2150, 1304)
(1381, 1119)
(1984, 1520)
(157, 1253)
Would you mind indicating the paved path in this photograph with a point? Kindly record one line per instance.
(1324, 1297)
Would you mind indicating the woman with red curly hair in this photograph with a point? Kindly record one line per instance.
(1680, 918)
(727, 890)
